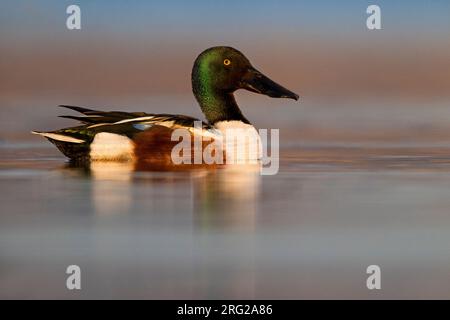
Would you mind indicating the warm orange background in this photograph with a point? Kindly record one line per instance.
(140, 57)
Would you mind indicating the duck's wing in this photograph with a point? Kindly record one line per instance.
(119, 122)
(99, 118)
(74, 141)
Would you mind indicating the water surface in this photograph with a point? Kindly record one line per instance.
(308, 232)
(357, 185)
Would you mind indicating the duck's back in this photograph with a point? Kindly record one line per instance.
(118, 135)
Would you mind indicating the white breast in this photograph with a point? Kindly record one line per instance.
(241, 141)
(111, 147)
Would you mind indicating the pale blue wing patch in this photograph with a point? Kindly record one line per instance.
(142, 126)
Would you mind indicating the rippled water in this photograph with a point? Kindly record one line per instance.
(308, 232)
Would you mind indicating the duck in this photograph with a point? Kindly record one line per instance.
(140, 136)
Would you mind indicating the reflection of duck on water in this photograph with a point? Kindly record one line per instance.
(145, 138)
(224, 197)
(228, 197)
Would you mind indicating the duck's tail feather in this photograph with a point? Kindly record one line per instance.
(58, 137)
(82, 110)
(71, 147)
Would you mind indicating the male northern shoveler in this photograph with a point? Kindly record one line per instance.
(116, 135)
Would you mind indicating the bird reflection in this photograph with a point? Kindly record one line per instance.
(228, 197)
(215, 197)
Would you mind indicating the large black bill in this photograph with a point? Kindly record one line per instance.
(255, 81)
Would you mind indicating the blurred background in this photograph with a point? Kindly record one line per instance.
(364, 160)
(135, 55)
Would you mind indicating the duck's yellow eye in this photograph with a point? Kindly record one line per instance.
(227, 62)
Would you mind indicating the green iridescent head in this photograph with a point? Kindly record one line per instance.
(218, 72)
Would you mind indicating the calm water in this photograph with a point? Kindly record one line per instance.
(310, 231)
